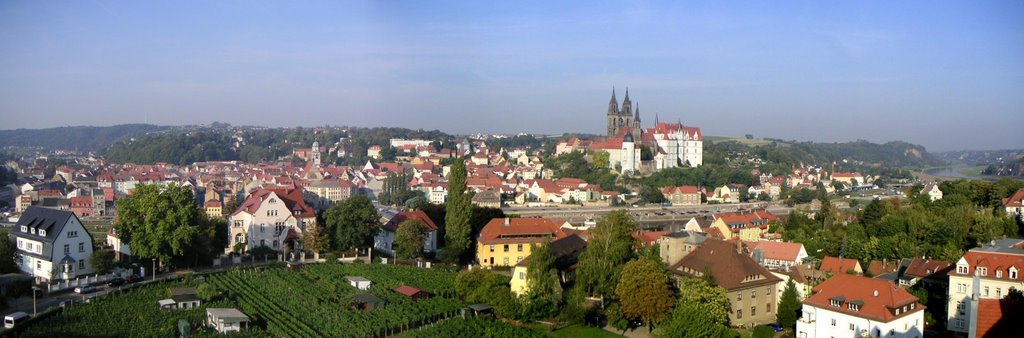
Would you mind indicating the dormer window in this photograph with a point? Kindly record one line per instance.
(273, 200)
(961, 269)
(980, 271)
(24, 228)
(32, 231)
(1013, 272)
(999, 273)
(42, 232)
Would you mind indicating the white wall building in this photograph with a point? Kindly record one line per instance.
(677, 145)
(855, 306)
(275, 218)
(52, 244)
(998, 268)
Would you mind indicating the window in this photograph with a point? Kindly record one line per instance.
(263, 242)
(67, 248)
(961, 288)
(961, 269)
(1013, 273)
(492, 247)
(519, 248)
(961, 307)
(851, 326)
(39, 265)
(753, 310)
(238, 224)
(999, 293)
(24, 228)
(506, 247)
(986, 291)
(768, 307)
(72, 234)
(739, 296)
(505, 260)
(833, 322)
(519, 259)
(960, 323)
(263, 228)
(522, 275)
(273, 200)
(275, 244)
(768, 291)
(981, 271)
(753, 293)
(32, 231)
(999, 273)
(42, 233)
(739, 314)
(81, 264)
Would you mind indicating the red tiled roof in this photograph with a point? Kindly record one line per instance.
(838, 266)
(520, 230)
(392, 224)
(877, 267)
(998, 317)
(880, 297)
(291, 197)
(1015, 200)
(407, 290)
(649, 237)
(993, 262)
(922, 268)
(778, 250)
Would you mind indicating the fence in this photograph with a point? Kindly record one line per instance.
(80, 281)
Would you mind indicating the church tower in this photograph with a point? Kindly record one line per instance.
(316, 153)
(623, 118)
(613, 115)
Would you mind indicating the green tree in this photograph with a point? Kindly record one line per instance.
(8, 253)
(458, 211)
(481, 286)
(599, 159)
(208, 291)
(316, 239)
(702, 311)
(409, 239)
(789, 306)
(544, 289)
(158, 222)
(645, 291)
(102, 261)
(610, 247)
(651, 194)
(353, 222)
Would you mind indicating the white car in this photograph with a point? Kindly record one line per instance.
(85, 289)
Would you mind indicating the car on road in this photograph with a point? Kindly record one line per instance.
(116, 282)
(775, 327)
(85, 289)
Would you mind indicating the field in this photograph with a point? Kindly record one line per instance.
(741, 140)
(313, 302)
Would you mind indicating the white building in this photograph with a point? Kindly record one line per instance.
(933, 192)
(226, 320)
(677, 145)
(623, 153)
(52, 244)
(855, 306)
(998, 269)
(275, 218)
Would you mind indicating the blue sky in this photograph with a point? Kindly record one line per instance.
(945, 74)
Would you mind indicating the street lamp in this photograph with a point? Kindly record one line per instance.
(34, 290)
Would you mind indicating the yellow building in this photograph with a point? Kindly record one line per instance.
(214, 209)
(748, 226)
(566, 252)
(506, 241)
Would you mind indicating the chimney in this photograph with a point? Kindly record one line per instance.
(506, 221)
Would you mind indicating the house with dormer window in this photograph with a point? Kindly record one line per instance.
(51, 244)
(993, 270)
(275, 218)
(855, 306)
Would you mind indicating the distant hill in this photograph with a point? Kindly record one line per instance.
(80, 138)
(889, 154)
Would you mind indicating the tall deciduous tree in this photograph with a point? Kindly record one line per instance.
(458, 211)
(409, 239)
(353, 222)
(610, 247)
(645, 291)
(542, 276)
(702, 311)
(789, 306)
(158, 222)
(316, 239)
(8, 254)
(102, 261)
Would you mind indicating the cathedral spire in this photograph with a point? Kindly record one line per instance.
(637, 118)
(613, 104)
(655, 119)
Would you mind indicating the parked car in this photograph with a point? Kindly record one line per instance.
(85, 289)
(775, 327)
(116, 282)
(132, 278)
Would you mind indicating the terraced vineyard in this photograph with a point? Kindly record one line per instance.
(313, 302)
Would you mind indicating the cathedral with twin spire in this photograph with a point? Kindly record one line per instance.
(626, 118)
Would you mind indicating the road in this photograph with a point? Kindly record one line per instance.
(643, 214)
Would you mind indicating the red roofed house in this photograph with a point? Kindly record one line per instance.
(682, 195)
(385, 238)
(506, 241)
(840, 266)
(82, 206)
(995, 267)
(855, 306)
(748, 226)
(778, 255)
(1015, 203)
(276, 218)
(850, 179)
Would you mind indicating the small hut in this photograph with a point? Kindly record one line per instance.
(359, 282)
(366, 302)
(225, 319)
(411, 292)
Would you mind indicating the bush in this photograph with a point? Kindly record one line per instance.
(763, 331)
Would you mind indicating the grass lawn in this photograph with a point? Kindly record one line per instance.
(574, 331)
(741, 140)
(972, 171)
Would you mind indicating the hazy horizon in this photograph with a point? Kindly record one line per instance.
(944, 75)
